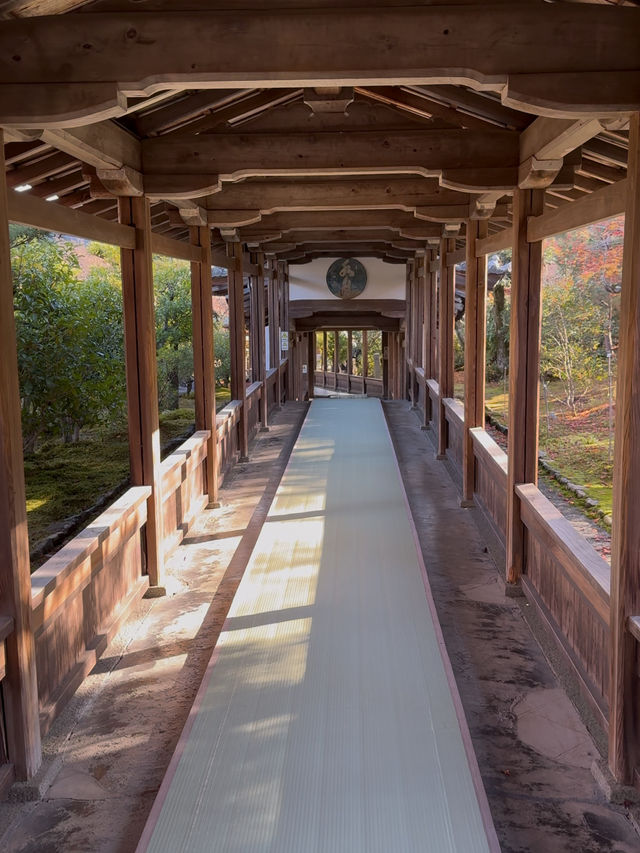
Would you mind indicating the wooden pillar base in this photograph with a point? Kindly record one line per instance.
(155, 592)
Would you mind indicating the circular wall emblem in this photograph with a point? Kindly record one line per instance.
(346, 278)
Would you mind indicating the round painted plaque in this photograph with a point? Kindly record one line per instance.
(346, 278)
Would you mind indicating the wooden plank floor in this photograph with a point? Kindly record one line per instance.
(327, 720)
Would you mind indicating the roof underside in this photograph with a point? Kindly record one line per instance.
(303, 171)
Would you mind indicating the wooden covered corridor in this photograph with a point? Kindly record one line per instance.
(254, 140)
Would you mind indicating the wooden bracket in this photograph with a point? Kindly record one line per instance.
(124, 181)
(329, 99)
(535, 174)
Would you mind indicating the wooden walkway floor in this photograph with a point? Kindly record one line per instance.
(328, 720)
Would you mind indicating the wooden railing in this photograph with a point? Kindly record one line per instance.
(184, 492)
(6, 769)
(569, 581)
(254, 393)
(433, 389)
(350, 383)
(564, 577)
(80, 595)
(490, 489)
(227, 421)
(454, 414)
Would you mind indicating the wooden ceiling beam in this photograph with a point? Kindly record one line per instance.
(192, 166)
(341, 235)
(333, 219)
(270, 196)
(104, 145)
(139, 53)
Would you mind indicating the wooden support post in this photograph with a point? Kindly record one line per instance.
(274, 327)
(292, 372)
(624, 699)
(237, 342)
(19, 687)
(254, 324)
(429, 330)
(474, 351)
(311, 366)
(336, 358)
(259, 337)
(445, 338)
(142, 377)
(524, 370)
(349, 358)
(325, 359)
(385, 364)
(433, 318)
(284, 317)
(365, 360)
(409, 316)
(278, 328)
(203, 358)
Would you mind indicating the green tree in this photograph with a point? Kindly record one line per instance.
(172, 283)
(222, 354)
(69, 340)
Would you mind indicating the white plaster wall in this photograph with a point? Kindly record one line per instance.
(384, 281)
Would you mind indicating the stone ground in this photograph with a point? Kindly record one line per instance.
(107, 753)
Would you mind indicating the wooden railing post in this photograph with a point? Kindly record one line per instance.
(430, 331)
(349, 358)
(433, 319)
(408, 367)
(474, 351)
(203, 356)
(142, 377)
(237, 342)
(261, 371)
(365, 360)
(311, 366)
(524, 370)
(445, 338)
(325, 359)
(416, 348)
(274, 326)
(624, 730)
(19, 687)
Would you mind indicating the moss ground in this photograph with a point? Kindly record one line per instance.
(64, 479)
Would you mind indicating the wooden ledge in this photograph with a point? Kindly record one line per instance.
(454, 408)
(489, 451)
(434, 388)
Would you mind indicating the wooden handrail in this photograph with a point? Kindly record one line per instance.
(579, 560)
(633, 624)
